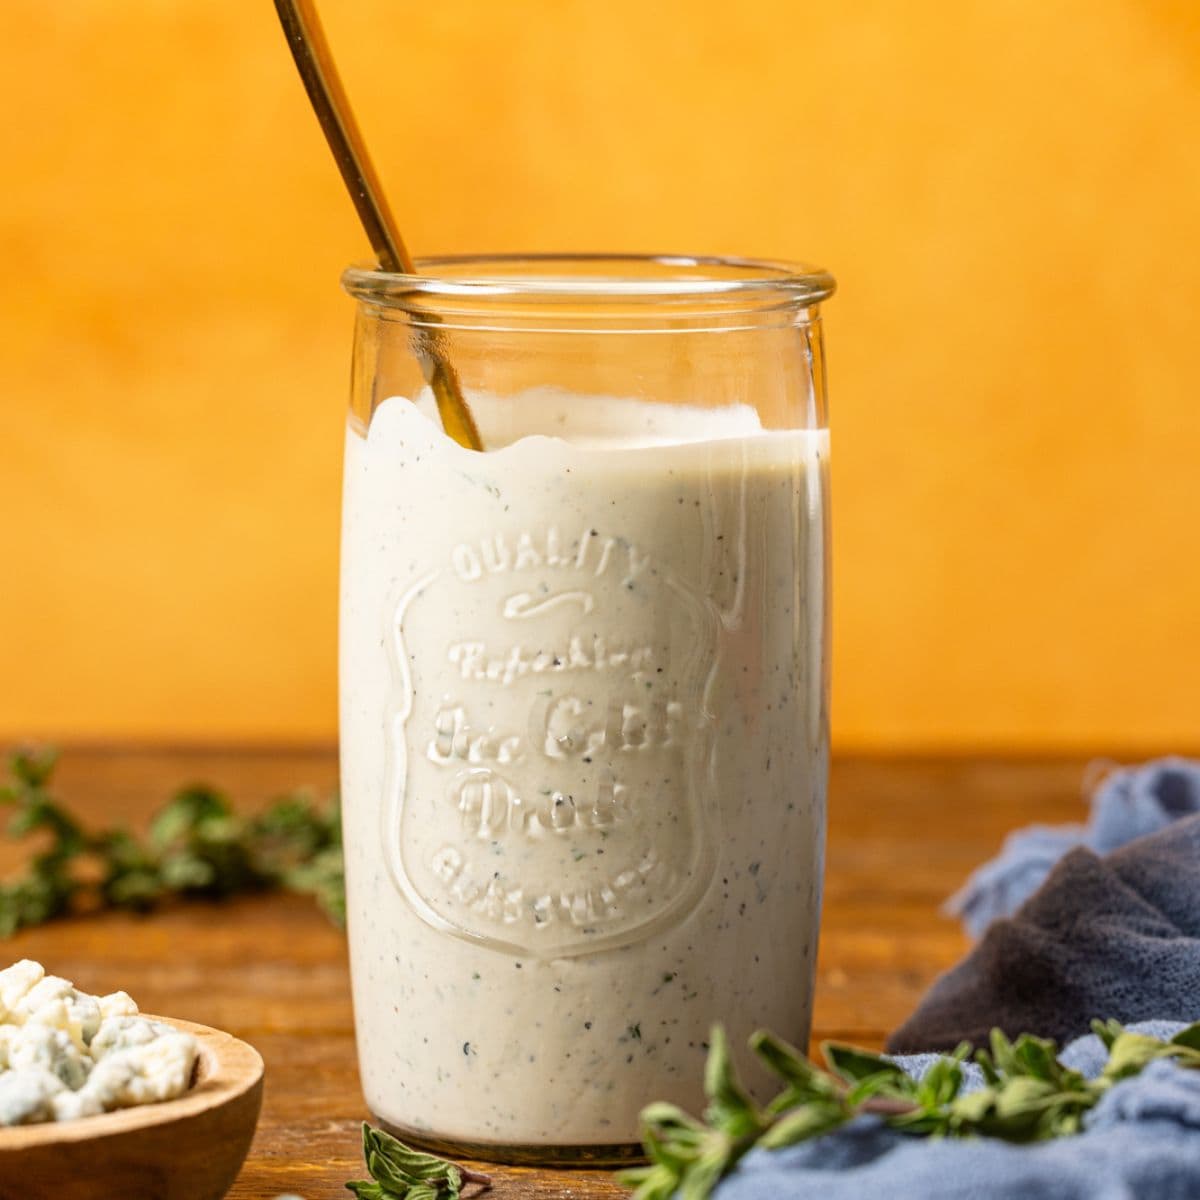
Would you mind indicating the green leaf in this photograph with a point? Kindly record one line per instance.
(1022, 1109)
(924, 1122)
(895, 1087)
(1021, 1095)
(854, 1065)
(1002, 1053)
(394, 1178)
(366, 1189)
(706, 1171)
(990, 1074)
(1070, 1125)
(670, 1136)
(1189, 1037)
(811, 1120)
(670, 1119)
(186, 813)
(187, 872)
(1035, 1056)
(33, 768)
(408, 1174)
(656, 1182)
(972, 1108)
(1108, 1031)
(1130, 1053)
(729, 1106)
(941, 1083)
(791, 1066)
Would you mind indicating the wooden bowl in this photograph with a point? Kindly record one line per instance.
(186, 1149)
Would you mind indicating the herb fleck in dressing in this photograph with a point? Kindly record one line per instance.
(584, 754)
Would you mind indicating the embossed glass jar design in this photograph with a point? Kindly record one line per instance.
(584, 687)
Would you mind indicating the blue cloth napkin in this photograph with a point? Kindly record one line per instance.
(1128, 804)
(1142, 1140)
(1117, 936)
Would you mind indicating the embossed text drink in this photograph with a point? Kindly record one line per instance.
(584, 688)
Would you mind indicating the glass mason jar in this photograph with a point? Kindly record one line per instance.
(584, 688)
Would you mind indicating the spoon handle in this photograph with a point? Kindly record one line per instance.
(306, 40)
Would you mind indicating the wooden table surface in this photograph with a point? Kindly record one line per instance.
(903, 833)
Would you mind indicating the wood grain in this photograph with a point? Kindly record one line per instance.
(903, 834)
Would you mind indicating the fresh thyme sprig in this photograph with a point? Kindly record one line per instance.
(400, 1173)
(197, 846)
(1027, 1095)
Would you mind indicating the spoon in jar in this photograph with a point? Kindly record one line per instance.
(309, 48)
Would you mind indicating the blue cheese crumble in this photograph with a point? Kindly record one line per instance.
(65, 1054)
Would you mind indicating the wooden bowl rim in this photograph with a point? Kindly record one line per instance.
(226, 1068)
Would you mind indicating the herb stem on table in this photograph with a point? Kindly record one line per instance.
(196, 846)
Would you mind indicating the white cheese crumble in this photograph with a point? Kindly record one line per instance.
(66, 1054)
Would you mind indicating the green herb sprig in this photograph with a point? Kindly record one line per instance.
(196, 846)
(400, 1173)
(1028, 1095)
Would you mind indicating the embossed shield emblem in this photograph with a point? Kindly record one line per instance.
(549, 784)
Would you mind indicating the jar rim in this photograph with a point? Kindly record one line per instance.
(653, 279)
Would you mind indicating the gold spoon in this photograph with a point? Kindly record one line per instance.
(328, 98)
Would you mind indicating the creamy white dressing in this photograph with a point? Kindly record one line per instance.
(584, 755)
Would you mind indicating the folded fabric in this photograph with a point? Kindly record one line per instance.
(1128, 804)
(1104, 937)
(1141, 1140)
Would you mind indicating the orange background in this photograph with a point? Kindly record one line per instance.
(1007, 190)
